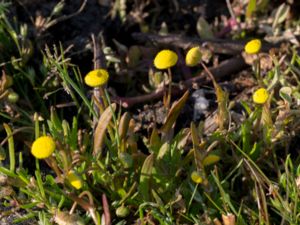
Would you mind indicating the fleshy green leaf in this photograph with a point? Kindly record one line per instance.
(144, 186)
(250, 8)
(204, 29)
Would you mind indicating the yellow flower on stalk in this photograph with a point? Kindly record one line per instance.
(253, 46)
(210, 159)
(260, 96)
(196, 177)
(165, 59)
(74, 179)
(193, 57)
(43, 147)
(96, 78)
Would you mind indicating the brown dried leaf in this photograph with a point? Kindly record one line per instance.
(228, 219)
(102, 125)
(124, 125)
(266, 62)
(174, 113)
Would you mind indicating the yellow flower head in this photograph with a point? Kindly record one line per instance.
(210, 159)
(165, 59)
(260, 96)
(43, 147)
(196, 177)
(253, 46)
(96, 78)
(74, 179)
(193, 56)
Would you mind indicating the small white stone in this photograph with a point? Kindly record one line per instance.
(201, 103)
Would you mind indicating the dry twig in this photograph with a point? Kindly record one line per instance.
(226, 68)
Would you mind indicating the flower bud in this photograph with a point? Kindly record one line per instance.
(165, 59)
(13, 97)
(74, 179)
(43, 147)
(122, 211)
(210, 159)
(96, 78)
(253, 46)
(196, 177)
(260, 96)
(193, 57)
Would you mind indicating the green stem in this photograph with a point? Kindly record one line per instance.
(37, 134)
(36, 126)
(257, 124)
(257, 71)
(169, 88)
(193, 195)
(104, 96)
(11, 148)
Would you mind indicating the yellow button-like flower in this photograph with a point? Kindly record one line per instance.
(43, 147)
(193, 56)
(196, 177)
(260, 96)
(96, 78)
(253, 46)
(210, 159)
(74, 179)
(165, 59)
